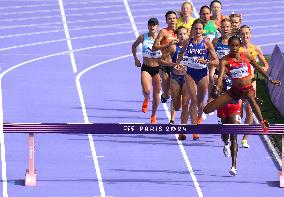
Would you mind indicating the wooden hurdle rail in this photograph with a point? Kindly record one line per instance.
(129, 128)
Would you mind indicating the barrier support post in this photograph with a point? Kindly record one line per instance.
(282, 172)
(30, 178)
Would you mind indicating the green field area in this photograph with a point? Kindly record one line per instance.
(269, 111)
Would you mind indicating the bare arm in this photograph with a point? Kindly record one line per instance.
(222, 69)
(260, 69)
(165, 56)
(157, 44)
(215, 42)
(181, 53)
(213, 56)
(262, 58)
(135, 44)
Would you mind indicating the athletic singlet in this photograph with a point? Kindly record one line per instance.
(169, 36)
(219, 22)
(175, 55)
(147, 48)
(210, 30)
(221, 49)
(186, 25)
(194, 52)
(239, 70)
(251, 50)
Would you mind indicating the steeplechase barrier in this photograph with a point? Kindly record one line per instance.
(130, 128)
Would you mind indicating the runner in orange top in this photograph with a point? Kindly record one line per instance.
(165, 39)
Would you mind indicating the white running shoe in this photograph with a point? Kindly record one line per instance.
(226, 150)
(245, 143)
(203, 116)
(233, 171)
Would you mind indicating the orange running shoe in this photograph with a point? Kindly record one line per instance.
(153, 119)
(195, 136)
(199, 121)
(145, 105)
(181, 137)
(265, 126)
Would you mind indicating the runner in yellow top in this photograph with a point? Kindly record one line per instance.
(186, 18)
(256, 52)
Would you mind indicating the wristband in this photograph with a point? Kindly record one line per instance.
(269, 79)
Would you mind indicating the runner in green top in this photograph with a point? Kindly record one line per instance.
(210, 30)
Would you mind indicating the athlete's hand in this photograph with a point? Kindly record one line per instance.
(137, 63)
(179, 67)
(202, 61)
(276, 82)
(265, 69)
(215, 92)
(174, 41)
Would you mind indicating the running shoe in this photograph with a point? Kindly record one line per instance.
(181, 137)
(145, 105)
(245, 143)
(153, 119)
(195, 136)
(265, 126)
(204, 116)
(199, 121)
(226, 150)
(172, 122)
(163, 99)
(233, 171)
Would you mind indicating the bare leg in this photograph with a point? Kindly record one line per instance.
(146, 84)
(218, 102)
(156, 91)
(192, 89)
(165, 84)
(202, 87)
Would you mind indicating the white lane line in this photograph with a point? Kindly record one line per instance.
(61, 40)
(60, 53)
(96, 13)
(112, 18)
(270, 44)
(55, 10)
(85, 114)
(3, 155)
(67, 35)
(184, 154)
(83, 106)
(3, 148)
(82, 8)
(240, 10)
(40, 25)
(74, 29)
(265, 35)
(52, 4)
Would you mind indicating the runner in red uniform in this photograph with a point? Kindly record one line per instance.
(238, 67)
